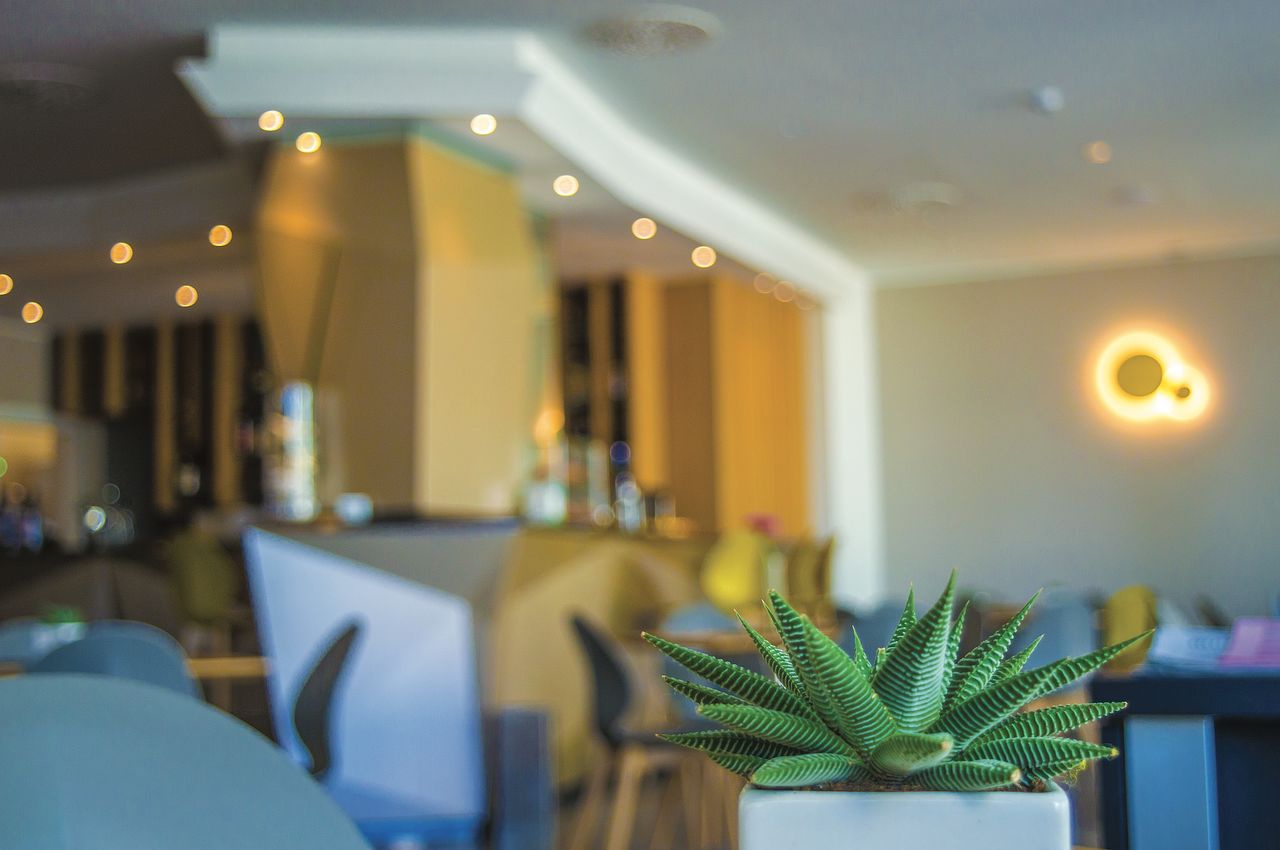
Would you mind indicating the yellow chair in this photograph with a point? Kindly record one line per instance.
(1130, 610)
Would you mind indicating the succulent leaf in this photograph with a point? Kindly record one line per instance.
(905, 622)
(968, 776)
(777, 660)
(787, 729)
(1045, 772)
(1059, 674)
(859, 716)
(1013, 665)
(748, 685)
(1033, 752)
(953, 644)
(1051, 721)
(790, 625)
(974, 671)
(910, 752)
(701, 694)
(744, 766)
(729, 742)
(808, 769)
(969, 719)
(860, 659)
(910, 683)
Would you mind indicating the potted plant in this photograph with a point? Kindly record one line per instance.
(922, 718)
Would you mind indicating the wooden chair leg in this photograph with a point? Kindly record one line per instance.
(732, 788)
(691, 795)
(592, 802)
(664, 828)
(632, 767)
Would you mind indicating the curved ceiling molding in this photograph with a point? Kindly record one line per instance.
(433, 73)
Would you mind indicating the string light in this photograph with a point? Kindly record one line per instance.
(704, 256)
(32, 312)
(186, 296)
(121, 253)
(220, 236)
(566, 185)
(6, 284)
(644, 228)
(764, 283)
(484, 124)
(270, 121)
(308, 142)
(784, 292)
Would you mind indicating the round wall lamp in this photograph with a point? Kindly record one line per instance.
(1141, 377)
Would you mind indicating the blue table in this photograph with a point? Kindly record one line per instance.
(1197, 765)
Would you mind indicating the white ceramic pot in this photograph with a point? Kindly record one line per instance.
(908, 820)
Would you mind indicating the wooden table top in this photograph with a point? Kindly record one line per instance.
(223, 667)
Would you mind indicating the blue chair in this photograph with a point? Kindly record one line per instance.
(25, 641)
(115, 765)
(125, 650)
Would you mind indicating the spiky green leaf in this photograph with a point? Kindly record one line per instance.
(789, 730)
(953, 644)
(809, 769)
(744, 766)
(858, 715)
(905, 622)
(701, 694)
(777, 660)
(1062, 673)
(1051, 721)
(974, 671)
(1052, 770)
(910, 683)
(790, 625)
(748, 685)
(910, 752)
(1013, 665)
(730, 742)
(1034, 752)
(985, 709)
(860, 659)
(968, 776)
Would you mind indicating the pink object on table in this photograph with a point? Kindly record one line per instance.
(1255, 642)
(766, 524)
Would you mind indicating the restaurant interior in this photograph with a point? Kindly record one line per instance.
(373, 376)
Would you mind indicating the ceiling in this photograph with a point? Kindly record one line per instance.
(823, 110)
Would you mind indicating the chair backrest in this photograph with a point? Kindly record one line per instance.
(124, 650)
(610, 686)
(26, 640)
(314, 706)
(115, 765)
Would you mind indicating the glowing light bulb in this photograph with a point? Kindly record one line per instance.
(784, 292)
(6, 284)
(32, 312)
(1097, 153)
(566, 185)
(644, 228)
(121, 253)
(186, 296)
(704, 256)
(271, 120)
(484, 124)
(308, 142)
(220, 236)
(764, 283)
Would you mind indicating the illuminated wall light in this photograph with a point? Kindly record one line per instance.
(704, 256)
(308, 142)
(484, 124)
(220, 236)
(1097, 153)
(1140, 376)
(764, 283)
(566, 185)
(644, 228)
(271, 120)
(32, 312)
(186, 296)
(784, 292)
(6, 284)
(121, 253)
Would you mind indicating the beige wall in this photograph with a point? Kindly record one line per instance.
(999, 461)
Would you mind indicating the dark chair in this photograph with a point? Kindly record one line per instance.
(313, 708)
(632, 754)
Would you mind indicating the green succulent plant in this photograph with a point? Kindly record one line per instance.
(920, 716)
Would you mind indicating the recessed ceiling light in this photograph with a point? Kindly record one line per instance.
(484, 124)
(1097, 153)
(1047, 100)
(6, 284)
(784, 291)
(186, 296)
(704, 256)
(271, 120)
(32, 312)
(644, 228)
(566, 185)
(121, 253)
(764, 283)
(308, 142)
(220, 236)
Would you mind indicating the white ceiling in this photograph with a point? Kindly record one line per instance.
(821, 109)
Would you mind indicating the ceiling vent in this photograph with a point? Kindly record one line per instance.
(45, 86)
(654, 30)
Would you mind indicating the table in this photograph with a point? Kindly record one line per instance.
(1197, 761)
(227, 667)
